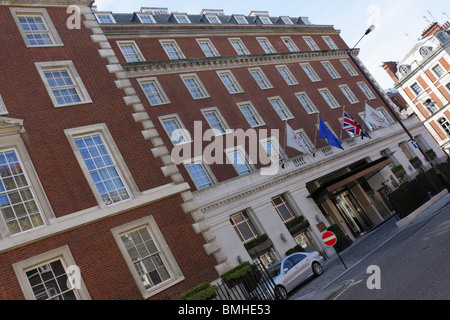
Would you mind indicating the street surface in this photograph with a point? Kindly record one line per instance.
(410, 263)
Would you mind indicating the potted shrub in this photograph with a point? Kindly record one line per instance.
(296, 225)
(205, 291)
(431, 154)
(398, 171)
(258, 245)
(415, 162)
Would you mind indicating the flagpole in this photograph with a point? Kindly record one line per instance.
(285, 139)
(342, 124)
(317, 129)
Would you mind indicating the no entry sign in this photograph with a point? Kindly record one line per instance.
(329, 238)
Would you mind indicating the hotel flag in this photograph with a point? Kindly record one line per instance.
(294, 141)
(326, 133)
(375, 117)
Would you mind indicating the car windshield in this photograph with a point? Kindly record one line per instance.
(275, 270)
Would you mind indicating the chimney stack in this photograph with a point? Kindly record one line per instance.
(391, 68)
(431, 30)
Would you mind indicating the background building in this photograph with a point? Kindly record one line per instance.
(423, 79)
(257, 72)
(82, 196)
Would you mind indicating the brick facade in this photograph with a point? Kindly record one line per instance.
(76, 218)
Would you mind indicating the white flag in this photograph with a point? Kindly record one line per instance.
(375, 117)
(294, 141)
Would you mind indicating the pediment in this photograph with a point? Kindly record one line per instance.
(9, 126)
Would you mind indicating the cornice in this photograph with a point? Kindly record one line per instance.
(289, 175)
(152, 68)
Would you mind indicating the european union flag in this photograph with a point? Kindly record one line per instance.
(326, 133)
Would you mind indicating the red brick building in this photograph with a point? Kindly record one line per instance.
(256, 72)
(83, 198)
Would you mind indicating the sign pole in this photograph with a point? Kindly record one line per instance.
(340, 258)
(330, 239)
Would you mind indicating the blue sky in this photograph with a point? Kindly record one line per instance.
(399, 23)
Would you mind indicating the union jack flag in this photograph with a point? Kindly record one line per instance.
(351, 125)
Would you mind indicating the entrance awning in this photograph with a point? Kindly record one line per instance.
(362, 171)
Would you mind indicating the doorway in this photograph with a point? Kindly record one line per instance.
(352, 213)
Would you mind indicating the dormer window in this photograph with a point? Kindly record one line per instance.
(286, 20)
(182, 18)
(265, 20)
(443, 37)
(213, 18)
(105, 17)
(146, 18)
(405, 69)
(425, 51)
(240, 19)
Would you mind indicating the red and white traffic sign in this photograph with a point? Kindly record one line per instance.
(329, 238)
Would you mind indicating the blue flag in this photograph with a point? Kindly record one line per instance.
(326, 133)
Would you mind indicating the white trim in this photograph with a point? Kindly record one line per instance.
(161, 92)
(176, 275)
(53, 33)
(135, 47)
(63, 254)
(83, 94)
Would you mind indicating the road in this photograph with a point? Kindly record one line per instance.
(413, 265)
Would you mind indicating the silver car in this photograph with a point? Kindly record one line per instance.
(295, 269)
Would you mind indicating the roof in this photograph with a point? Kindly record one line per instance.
(132, 18)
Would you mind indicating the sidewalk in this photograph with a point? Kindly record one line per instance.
(363, 246)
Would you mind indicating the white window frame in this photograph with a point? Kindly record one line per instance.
(119, 162)
(206, 169)
(255, 115)
(311, 43)
(146, 18)
(330, 69)
(135, 47)
(266, 45)
(308, 105)
(200, 87)
(182, 18)
(310, 72)
(348, 93)
(42, 13)
(166, 255)
(233, 86)
(366, 90)
(3, 109)
(286, 113)
(161, 93)
(347, 65)
(241, 152)
(75, 77)
(219, 117)
(177, 52)
(286, 20)
(211, 51)
(213, 18)
(287, 75)
(263, 82)
(64, 255)
(329, 98)
(275, 145)
(109, 14)
(181, 128)
(265, 20)
(240, 19)
(241, 49)
(15, 142)
(441, 71)
(290, 44)
(301, 133)
(417, 91)
(330, 42)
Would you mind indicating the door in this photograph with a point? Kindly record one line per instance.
(349, 214)
(294, 273)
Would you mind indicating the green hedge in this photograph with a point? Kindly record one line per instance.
(204, 291)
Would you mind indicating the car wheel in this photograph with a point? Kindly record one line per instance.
(317, 268)
(281, 293)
